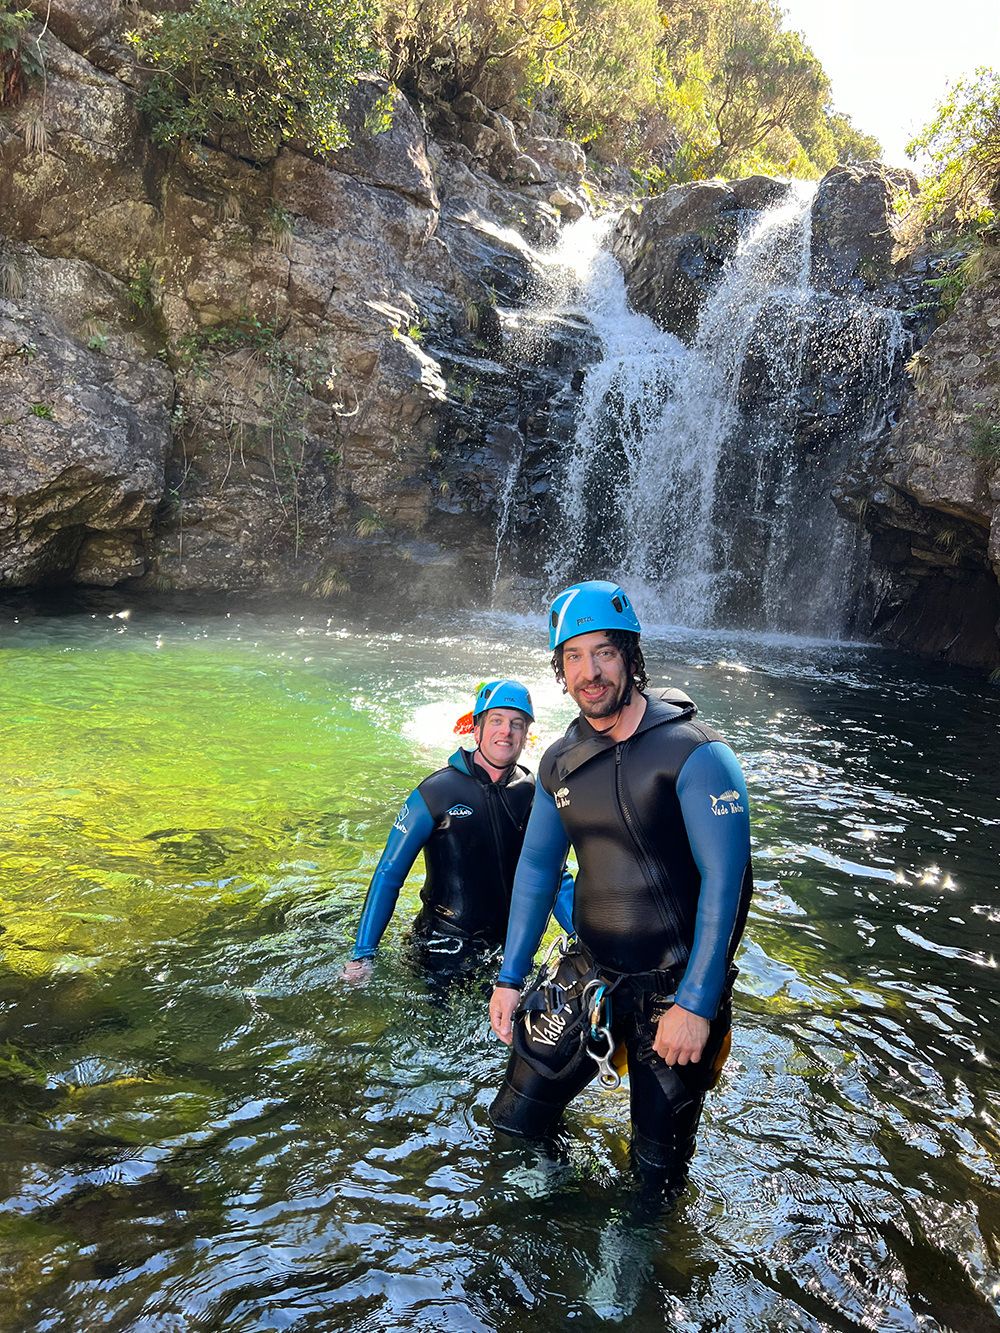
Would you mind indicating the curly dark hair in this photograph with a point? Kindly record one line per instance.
(627, 644)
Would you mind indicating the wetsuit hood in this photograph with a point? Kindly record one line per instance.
(582, 742)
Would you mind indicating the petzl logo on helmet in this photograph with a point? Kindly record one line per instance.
(726, 804)
(460, 811)
(562, 798)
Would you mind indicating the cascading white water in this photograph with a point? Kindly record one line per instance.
(505, 503)
(692, 471)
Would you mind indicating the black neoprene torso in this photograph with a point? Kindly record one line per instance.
(483, 844)
(638, 884)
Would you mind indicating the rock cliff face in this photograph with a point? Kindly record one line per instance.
(332, 377)
(297, 374)
(929, 492)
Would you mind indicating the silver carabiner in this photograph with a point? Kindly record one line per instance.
(608, 1077)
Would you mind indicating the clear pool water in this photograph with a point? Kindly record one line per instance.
(203, 1129)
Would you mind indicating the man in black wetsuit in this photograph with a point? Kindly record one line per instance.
(469, 820)
(655, 806)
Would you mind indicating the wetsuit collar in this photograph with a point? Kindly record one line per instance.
(465, 763)
(581, 742)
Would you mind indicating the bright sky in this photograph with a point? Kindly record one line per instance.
(891, 61)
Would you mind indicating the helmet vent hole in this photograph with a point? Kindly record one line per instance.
(616, 602)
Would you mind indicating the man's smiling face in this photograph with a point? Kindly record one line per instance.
(501, 735)
(595, 673)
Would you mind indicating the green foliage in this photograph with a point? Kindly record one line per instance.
(143, 288)
(42, 410)
(278, 224)
(20, 55)
(194, 350)
(12, 281)
(498, 49)
(368, 525)
(743, 95)
(984, 440)
(962, 146)
(269, 70)
(960, 270)
(681, 89)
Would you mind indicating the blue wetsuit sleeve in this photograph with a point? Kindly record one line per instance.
(713, 797)
(414, 825)
(563, 910)
(539, 871)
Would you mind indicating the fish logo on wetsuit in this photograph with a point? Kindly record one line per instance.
(399, 823)
(562, 798)
(726, 804)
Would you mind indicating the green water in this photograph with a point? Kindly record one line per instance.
(202, 1129)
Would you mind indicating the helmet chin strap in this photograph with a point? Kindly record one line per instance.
(500, 768)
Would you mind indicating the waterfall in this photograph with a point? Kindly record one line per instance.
(701, 472)
(505, 503)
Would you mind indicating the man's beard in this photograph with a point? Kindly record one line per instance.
(608, 707)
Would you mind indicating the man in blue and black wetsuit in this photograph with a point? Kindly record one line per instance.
(654, 804)
(468, 819)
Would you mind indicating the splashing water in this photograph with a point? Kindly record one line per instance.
(505, 501)
(701, 473)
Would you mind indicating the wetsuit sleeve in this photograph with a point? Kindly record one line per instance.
(563, 910)
(539, 871)
(414, 825)
(713, 797)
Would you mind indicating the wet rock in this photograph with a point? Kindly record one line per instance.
(570, 203)
(759, 192)
(854, 227)
(84, 428)
(672, 249)
(302, 373)
(929, 494)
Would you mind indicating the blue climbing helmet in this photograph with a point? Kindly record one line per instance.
(503, 694)
(595, 604)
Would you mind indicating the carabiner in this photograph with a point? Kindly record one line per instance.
(608, 1077)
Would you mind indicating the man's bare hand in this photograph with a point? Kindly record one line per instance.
(503, 1002)
(357, 971)
(681, 1036)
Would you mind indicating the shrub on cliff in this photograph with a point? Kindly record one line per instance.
(962, 145)
(20, 55)
(271, 70)
(498, 49)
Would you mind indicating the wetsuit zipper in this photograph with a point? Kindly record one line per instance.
(491, 798)
(649, 869)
